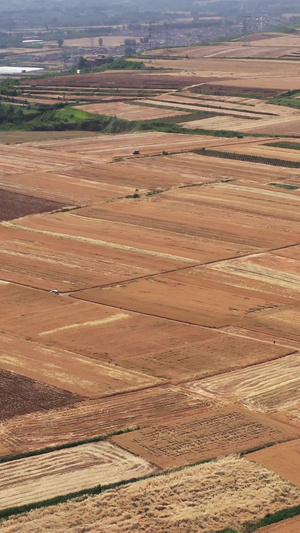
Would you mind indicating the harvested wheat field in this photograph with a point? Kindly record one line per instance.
(279, 324)
(282, 459)
(61, 472)
(154, 346)
(266, 387)
(129, 112)
(190, 168)
(274, 273)
(90, 419)
(204, 498)
(149, 293)
(71, 371)
(211, 434)
(77, 262)
(208, 302)
(108, 147)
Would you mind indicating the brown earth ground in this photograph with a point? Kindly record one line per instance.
(20, 395)
(204, 498)
(282, 459)
(14, 205)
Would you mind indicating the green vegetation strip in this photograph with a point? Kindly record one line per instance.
(248, 158)
(73, 444)
(269, 519)
(282, 144)
(285, 186)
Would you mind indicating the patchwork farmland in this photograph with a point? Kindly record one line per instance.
(149, 288)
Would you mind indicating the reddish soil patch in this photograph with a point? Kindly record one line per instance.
(20, 395)
(15, 205)
(282, 459)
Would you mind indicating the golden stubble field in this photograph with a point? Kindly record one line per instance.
(173, 332)
(204, 498)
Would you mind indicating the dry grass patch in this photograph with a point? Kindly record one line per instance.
(266, 387)
(57, 473)
(226, 493)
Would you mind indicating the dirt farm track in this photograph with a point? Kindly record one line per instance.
(149, 325)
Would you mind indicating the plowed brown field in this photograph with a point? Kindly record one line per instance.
(202, 499)
(282, 459)
(61, 472)
(119, 79)
(14, 205)
(20, 395)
